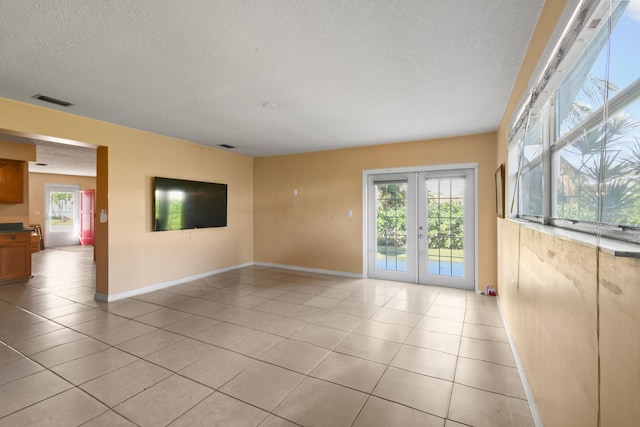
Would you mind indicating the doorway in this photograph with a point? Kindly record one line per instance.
(61, 220)
(421, 226)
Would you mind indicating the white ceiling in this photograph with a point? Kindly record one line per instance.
(342, 73)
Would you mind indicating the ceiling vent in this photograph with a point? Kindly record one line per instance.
(227, 146)
(56, 101)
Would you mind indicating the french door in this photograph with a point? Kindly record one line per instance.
(61, 218)
(421, 227)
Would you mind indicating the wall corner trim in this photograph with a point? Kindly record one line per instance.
(163, 285)
(537, 420)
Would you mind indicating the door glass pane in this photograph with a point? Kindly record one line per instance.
(391, 226)
(445, 222)
(62, 206)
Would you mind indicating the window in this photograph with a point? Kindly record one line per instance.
(578, 138)
(531, 169)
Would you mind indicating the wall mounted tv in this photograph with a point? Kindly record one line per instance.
(179, 204)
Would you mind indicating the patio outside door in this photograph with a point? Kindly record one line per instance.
(61, 218)
(421, 227)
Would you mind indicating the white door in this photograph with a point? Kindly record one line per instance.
(61, 226)
(421, 227)
(392, 231)
(446, 228)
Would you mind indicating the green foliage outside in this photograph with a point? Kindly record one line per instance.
(590, 176)
(392, 215)
(62, 208)
(444, 225)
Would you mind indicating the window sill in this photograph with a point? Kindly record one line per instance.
(616, 248)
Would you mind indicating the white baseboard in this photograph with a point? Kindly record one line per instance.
(310, 270)
(523, 376)
(163, 285)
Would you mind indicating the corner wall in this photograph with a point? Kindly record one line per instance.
(312, 229)
(137, 256)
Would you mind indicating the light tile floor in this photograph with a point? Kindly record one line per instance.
(255, 346)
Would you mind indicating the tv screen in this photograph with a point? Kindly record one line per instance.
(179, 204)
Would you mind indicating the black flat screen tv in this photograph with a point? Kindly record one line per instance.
(179, 204)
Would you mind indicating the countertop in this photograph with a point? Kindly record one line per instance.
(20, 230)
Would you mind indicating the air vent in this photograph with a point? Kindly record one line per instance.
(56, 101)
(227, 146)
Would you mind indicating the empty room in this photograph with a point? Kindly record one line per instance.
(338, 213)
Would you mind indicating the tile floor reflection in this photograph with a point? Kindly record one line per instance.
(255, 346)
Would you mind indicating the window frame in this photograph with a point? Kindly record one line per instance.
(542, 102)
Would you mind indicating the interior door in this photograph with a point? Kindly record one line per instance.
(421, 227)
(87, 216)
(62, 215)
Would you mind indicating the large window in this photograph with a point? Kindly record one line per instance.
(578, 146)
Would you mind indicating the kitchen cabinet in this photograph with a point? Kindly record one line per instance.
(15, 256)
(11, 181)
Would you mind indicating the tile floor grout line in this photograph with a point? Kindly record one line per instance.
(44, 368)
(455, 371)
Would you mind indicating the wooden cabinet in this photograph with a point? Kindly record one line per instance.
(35, 242)
(11, 181)
(15, 256)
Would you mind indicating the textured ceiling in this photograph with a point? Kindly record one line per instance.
(342, 73)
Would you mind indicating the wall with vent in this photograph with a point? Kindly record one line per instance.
(138, 257)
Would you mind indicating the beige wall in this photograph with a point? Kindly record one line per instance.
(37, 181)
(15, 151)
(568, 305)
(573, 311)
(619, 294)
(17, 212)
(312, 229)
(548, 294)
(137, 256)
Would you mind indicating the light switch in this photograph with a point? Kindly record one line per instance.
(295, 191)
(349, 213)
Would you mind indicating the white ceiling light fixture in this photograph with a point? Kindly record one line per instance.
(269, 105)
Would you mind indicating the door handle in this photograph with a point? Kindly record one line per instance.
(420, 236)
